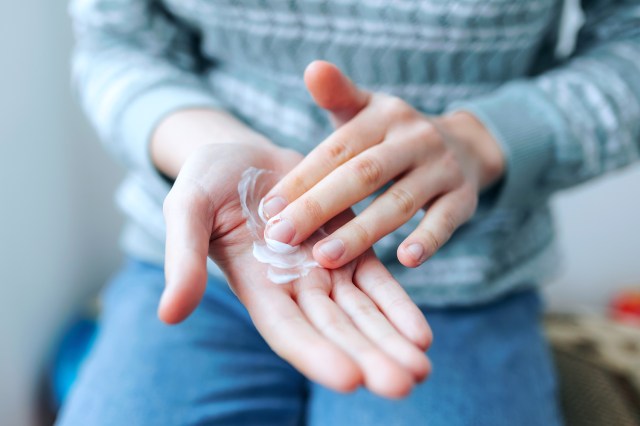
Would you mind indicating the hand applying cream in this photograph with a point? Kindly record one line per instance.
(286, 262)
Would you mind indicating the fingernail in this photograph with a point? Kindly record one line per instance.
(274, 206)
(280, 230)
(332, 249)
(416, 251)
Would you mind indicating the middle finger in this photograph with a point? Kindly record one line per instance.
(388, 212)
(341, 189)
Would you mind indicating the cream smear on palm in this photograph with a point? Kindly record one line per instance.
(286, 263)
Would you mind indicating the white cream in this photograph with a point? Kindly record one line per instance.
(279, 247)
(286, 263)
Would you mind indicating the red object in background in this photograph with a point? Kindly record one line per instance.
(625, 307)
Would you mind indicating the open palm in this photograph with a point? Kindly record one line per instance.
(342, 328)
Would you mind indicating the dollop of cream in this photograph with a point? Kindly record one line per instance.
(286, 263)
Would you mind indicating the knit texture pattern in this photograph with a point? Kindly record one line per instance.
(559, 121)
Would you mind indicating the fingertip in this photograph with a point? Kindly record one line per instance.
(317, 78)
(280, 230)
(167, 317)
(181, 297)
(411, 255)
(415, 361)
(331, 89)
(330, 253)
(347, 382)
(318, 71)
(427, 370)
(415, 327)
(174, 309)
(407, 261)
(424, 339)
(331, 368)
(316, 65)
(420, 369)
(165, 311)
(391, 383)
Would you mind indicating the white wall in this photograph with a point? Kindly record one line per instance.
(599, 234)
(58, 227)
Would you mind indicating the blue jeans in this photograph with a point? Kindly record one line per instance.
(491, 366)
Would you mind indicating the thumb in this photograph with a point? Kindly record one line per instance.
(333, 91)
(187, 245)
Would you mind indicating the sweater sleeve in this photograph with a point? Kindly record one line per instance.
(573, 122)
(134, 64)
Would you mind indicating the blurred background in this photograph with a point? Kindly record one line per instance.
(59, 228)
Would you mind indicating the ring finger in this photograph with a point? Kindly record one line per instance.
(387, 213)
(382, 375)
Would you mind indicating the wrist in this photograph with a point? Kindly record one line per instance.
(479, 142)
(183, 132)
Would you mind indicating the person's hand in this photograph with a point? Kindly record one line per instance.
(439, 164)
(342, 328)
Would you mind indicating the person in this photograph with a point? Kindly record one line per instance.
(448, 127)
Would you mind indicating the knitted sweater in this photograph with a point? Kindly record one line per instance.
(559, 121)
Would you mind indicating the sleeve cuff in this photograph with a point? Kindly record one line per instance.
(526, 125)
(142, 115)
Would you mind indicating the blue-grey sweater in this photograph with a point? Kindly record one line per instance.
(559, 121)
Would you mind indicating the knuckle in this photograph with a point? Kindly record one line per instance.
(299, 183)
(168, 204)
(378, 286)
(337, 152)
(472, 205)
(368, 171)
(365, 310)
(421, 141)
(397, 109)
(427, 139)
(400, 303)
(175, 201)
(431, 241)
(341, 291)
(361, 234)
(333, 326)
(425, 131)
(450, 161)
(436, 142)
(448, 222)
(452, 165)
(180, 206)
(313, 211)
(404, 200)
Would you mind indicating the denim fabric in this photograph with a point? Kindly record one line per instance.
(491, 367)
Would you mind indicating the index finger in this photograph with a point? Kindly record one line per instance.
(365, 130)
